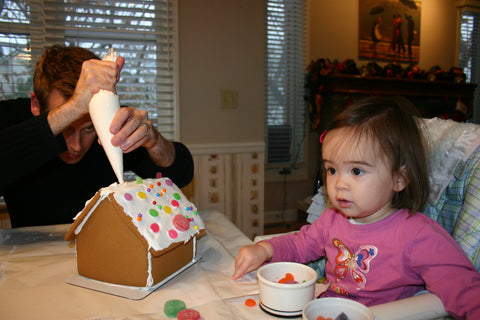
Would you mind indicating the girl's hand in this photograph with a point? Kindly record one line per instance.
(251, 257)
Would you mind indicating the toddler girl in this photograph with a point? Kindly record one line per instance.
(378, 247)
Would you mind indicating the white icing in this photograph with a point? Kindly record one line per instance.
(150, 277)
(102, 108)
(166, 201)
(80, 226)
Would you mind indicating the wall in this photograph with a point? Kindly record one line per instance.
(221, 47)
(337, 38)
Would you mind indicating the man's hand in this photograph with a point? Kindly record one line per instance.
(132, 129)
(95, 75)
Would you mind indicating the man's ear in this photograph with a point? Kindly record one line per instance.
(400, 180)
(34, 104)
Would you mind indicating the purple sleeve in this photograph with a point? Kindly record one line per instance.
(447, 272)
(303, 246)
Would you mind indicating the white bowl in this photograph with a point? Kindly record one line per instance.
(333, 307)
(285, 299)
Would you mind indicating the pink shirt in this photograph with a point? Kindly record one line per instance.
(383, 261)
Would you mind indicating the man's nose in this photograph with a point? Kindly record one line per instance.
(73, 141)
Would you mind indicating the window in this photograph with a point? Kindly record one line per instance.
(284, 76)
(469, 51)
(142, 31)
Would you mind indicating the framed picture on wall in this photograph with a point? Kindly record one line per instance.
(389, 30)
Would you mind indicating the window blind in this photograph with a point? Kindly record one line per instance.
(469, 51)
(142, 31)
(284, 81)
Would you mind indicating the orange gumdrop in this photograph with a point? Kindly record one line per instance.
(289, 278)
(320, 318)
(250, 303)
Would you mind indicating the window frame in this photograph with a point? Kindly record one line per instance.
(474, 7)
(296, 168)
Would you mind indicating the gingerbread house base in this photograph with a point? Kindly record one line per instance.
(110, 250)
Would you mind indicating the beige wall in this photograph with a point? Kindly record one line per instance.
(334, 31)
(221, 47)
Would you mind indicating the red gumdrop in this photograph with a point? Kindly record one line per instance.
(181, 223)
(188, 314)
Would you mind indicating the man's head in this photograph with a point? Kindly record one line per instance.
(58, 68)
(55, 79)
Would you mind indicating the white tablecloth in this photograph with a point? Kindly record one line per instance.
(36, 262)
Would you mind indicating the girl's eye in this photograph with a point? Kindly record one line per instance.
(331, 171)
(357, 171)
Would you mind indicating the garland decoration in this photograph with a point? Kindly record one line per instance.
(318, 72)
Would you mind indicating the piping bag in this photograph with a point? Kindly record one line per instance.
(103, 107)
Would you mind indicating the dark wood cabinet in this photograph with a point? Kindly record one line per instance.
(432, 98)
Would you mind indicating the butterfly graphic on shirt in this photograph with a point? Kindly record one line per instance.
(357, 265)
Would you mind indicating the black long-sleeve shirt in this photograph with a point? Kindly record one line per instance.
(40, 189)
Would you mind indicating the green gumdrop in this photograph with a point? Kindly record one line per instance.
(172, 307)
(139, 180)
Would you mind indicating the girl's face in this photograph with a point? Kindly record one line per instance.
(359, 179)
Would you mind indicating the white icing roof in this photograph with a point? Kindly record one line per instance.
(158, 208)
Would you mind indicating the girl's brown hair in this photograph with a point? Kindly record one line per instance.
(392, 124)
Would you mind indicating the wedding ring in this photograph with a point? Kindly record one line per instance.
(146, 126)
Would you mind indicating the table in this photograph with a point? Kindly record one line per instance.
(36, 262)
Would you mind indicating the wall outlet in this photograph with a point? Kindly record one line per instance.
(228, 99)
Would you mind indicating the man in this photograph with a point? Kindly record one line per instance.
(50, 157)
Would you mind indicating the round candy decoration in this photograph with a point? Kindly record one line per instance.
(172, 234)
(153, 212)
(155, 227)
(172, 307)
(128, 196)
(181, 223)
(188, 314)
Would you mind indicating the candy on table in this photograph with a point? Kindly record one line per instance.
(250, 303)
(188, 314)
(173, 307)
(341, 316)
(288, 279)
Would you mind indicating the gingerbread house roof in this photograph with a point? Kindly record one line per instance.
(156, 208)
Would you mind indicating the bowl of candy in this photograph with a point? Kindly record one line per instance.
(286, 287)
(336, 309)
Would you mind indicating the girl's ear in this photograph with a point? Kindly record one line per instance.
(400, 180)
(34, 105)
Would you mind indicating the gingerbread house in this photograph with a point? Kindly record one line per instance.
(136, 233)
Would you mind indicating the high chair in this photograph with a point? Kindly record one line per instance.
(453, 155)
